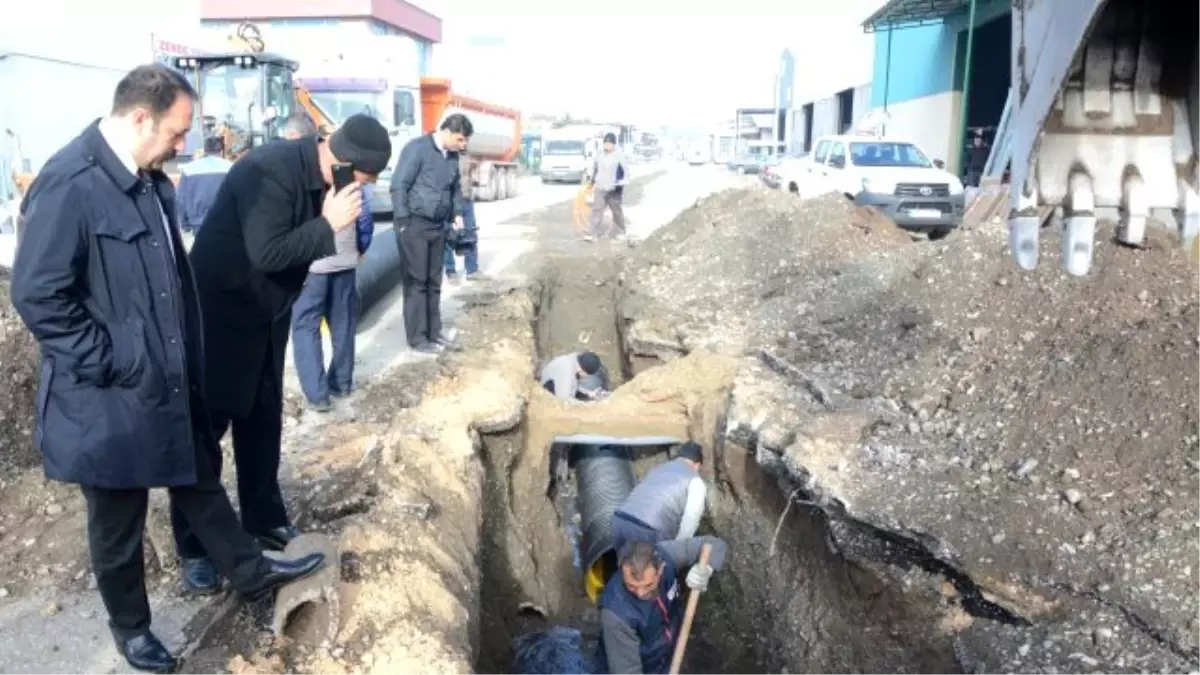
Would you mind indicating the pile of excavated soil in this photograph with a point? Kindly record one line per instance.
(19, 362)
(1031, 435)
(731, 271)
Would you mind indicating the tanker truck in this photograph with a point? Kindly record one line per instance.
(495, 145)
(1102, 122)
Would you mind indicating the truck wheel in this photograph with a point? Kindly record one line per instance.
(510, 179)
(941, 233)
(493, 187)
(793, 188)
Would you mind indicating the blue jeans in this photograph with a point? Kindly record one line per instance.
(331, 297)
(471, 257)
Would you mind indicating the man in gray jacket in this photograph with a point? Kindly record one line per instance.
(609, 177)
(330, 295)
(667, 504)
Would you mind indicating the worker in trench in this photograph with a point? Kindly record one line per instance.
(641, 608)
(103, 281)
(578, 376)
(609, 177)
(427, 200)
(667, 504)
(276, 214)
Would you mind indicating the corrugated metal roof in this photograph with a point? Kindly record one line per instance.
(907, 13)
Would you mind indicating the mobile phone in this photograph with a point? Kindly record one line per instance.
(343, 175)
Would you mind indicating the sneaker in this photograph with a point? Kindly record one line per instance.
(320, 406)
(478, 276)
(453, 279)
(342, 394)
(589, 238)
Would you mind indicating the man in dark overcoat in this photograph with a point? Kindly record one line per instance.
(274, 215)
(102, 280)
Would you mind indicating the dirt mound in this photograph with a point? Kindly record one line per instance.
(1029, 437)
(727, 272)
(19, 362)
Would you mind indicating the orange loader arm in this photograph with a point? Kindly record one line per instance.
(324, 124)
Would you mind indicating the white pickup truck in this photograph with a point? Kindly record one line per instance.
(892, 175)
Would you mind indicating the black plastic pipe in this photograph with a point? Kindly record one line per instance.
(380, 270)
(604, 474)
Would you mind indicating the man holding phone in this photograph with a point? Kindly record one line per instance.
(276, 213)
(330, 295)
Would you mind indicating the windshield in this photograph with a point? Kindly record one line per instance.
(563, 148)
(340, 105)
(229, 92)
(888, 154)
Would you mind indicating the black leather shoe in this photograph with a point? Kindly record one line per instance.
(280, 572)
(277, 538)
(145, 652)
(199, 576)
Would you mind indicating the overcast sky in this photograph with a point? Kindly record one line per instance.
(688, 63)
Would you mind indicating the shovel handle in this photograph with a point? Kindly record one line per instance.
(688, 614)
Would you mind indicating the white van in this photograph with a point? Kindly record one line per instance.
(564, 156)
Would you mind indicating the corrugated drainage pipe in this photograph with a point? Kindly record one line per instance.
(604, 474)
(380, 271)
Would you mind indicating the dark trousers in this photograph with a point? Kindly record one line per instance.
(116, 522)
(471, 234)
(422, 249)
(333, 298)
(625, 529)
(613, 200)
(257, 440)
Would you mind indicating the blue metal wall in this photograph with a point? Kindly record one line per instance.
(922, 63)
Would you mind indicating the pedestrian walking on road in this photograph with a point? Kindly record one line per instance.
(609, 177)
(103, 282)
(667, 504)
(427, 200)
(466, 241)
(275, 215)
(330, 294)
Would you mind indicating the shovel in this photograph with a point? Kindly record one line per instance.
(688, 614)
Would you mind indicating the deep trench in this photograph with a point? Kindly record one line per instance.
(788, 599)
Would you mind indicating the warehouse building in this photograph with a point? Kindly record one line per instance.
(941, 70)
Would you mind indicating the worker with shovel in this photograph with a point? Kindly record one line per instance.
(641, 610)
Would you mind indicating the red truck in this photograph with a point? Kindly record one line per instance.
(495, 145)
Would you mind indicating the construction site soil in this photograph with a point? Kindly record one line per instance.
(922, 459)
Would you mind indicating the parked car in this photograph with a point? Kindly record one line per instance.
(745, 164)
(893, 175)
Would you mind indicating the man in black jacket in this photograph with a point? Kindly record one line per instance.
(274, 215)
(102, 280)
(426, 199)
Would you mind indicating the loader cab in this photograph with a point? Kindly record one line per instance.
(248, 95)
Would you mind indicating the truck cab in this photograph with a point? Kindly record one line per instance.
(565, 158)
(891, 174)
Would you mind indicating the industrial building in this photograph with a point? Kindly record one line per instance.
(942, 67)
(939, 68)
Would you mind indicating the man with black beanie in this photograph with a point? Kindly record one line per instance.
(426, 202)
(274, 215)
